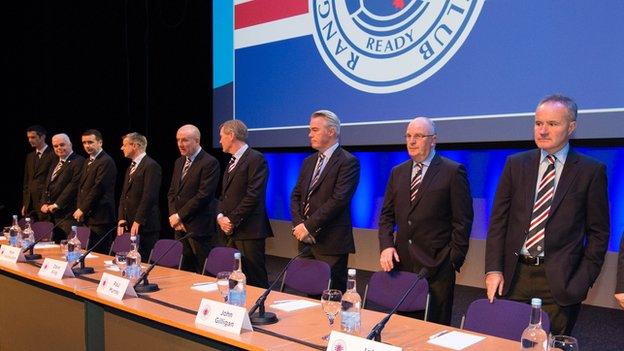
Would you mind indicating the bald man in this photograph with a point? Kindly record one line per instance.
(428, 200)
(61, 187)
(191, 198)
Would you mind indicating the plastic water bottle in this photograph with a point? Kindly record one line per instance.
(534, 337)
(74, 248)
(351, 306)
(237, 295)
(133, 261)
(28, 235)
(15, 233)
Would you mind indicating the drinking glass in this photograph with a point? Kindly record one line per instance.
(223, 283)
(120, 261)
(63, 245)
(330, 301)
(564, 342)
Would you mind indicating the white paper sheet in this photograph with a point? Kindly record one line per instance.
(207, 287)
(46, 245)
(294, 305)
(456, 340)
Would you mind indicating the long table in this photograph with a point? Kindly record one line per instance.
(69, 314)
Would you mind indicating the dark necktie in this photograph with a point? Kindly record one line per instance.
(186, 167)
(132, 167)
(416, 180)
(541, 209)
(315, 178)
(57, 169)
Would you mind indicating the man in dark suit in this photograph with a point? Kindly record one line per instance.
(320, 204)
(619, 283)
(549, 229)
(36, 167)
(59, 197)
(138, 204)
(428, 199)
(242, 215)
(96, 191)
(191, 198)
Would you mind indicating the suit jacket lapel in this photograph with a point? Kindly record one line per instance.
(332, 161)
(531, 164)
(229, 176)
(432, 170)
(190, 170)
(570, 170)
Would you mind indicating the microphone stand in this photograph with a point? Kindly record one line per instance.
(376, 331)
(143, 285)
(81, 260)
(263, 317)
(31, 256)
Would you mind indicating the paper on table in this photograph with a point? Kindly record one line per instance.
(456, 340)
(208, 287)
(113, 268)
(46, 245)
(294, 305)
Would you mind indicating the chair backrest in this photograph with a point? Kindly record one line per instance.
(219, 259)
(84, 233)
(43, 229)
(503, 318)
(386, 289)
(307, 276)
(173, 258)
(122, 243)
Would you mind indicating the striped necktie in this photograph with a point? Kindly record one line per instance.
(315, 178)
(57, 169)
(545, 193)
(416, 180)
(186, 167)
(231, 164)
(132, 167)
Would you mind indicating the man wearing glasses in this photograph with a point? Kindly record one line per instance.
(428, 200)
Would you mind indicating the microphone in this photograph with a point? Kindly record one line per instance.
(30, 248)
(263, 317)
(376, 331)
(143, 285)
(89, 270)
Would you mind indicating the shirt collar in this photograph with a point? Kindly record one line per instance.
(66, 157)
(45, 146)
(428, 160)
(330, 151)
(192, 157)
(96, 155)
(238, 154)
(139, 158)
(560, 155)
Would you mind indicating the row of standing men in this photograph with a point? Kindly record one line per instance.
(548, 233)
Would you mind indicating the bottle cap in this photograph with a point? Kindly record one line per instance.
(237, 255)
(536, 302)
(351, 272)
(74, 228)
(27, 219)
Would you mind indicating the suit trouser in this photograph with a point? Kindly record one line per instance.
(64, 227)
(338, 265)
(97, 231)
(194, 251)
(253, 259)
(441, 293)
(146, 243)
(529, 282)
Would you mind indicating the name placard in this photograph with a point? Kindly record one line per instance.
(115, 287)
(222, 316)
(11, 254)
(340, 341)
(55, 269)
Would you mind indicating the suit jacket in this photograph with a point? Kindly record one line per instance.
(329, 217)
(577, 228)
(438, 223)
(139, 196)
(243, 197)
(35, 173)
(193, 198)
(619, 284)
(96, 192)
(64, 188)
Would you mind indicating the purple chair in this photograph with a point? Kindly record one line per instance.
(385, 289)
(84, 233)
(43, 230)
(173, 258)
(307, 276)
(122, 243)
(503, 318)
(219, 259)
(22, 223)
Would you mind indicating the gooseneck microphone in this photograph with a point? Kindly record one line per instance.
(263, 317)
(376, 331)
(30, 248)
(143, 285)
(89, 270)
